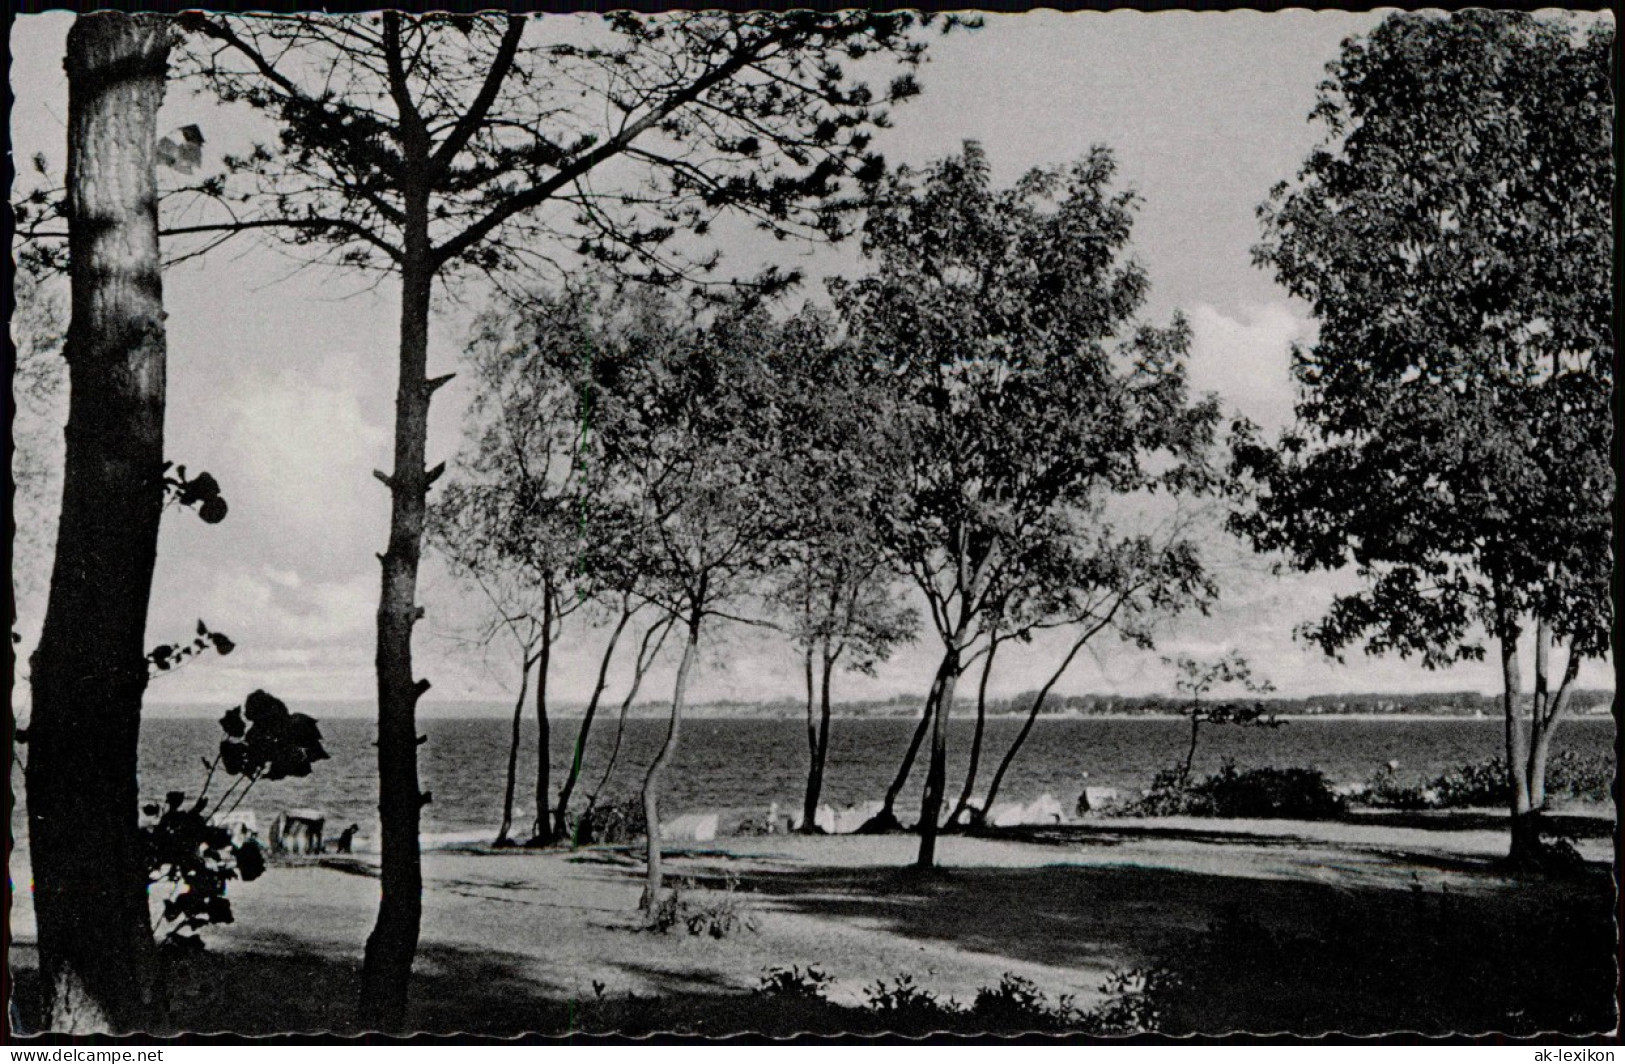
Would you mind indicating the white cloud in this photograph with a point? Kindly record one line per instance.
(300, 455)
(1246, 359)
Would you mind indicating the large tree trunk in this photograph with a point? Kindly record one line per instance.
(936, 775)
(1525, 847)
(503, 837)
(886, 819)
(963, 805)
(809, 799)
(387, 968)
(1548, 711)
(668, 751)
(819, 738)
(561, 826)
(541, 832)
(89, 671)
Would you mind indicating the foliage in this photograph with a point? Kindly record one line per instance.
(906, 1004)
(201, 492)
(264, 740)
(712, 914)
(1136, 1002)
(1286, 793)
(1482, 784)
(793, 982)
(1582, 778)
(168, 656)
(38, 388)
(1017, 1004)
(613, 821)
(198, 857)
(637, 131)
(1013, 396)
(1452, 235)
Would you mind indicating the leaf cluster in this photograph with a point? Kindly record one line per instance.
(541, 143)
(264, 740)
(1453, 236)
(1018, 394)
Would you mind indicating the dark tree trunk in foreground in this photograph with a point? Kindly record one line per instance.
(1525, 848)
(561, 815)
(962, 807)
(668, 751)
(387, 968)
(89, 671)
(817, 743)
(886, 819)
(512, 785)
(936, 775)
(809, 801)
(540, 829)
(1528, 751)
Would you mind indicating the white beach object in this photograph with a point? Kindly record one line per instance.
(1045, 810)
(691, 827)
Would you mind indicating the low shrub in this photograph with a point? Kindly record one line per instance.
(1477, 783)
(615, 821)
(1581, 778)
(1385, 790)
(1570, 776)
(1136, 1002)
(1017, 1004)
(909, 1006)
(712, 915)
(1279, 793)
(792, 982)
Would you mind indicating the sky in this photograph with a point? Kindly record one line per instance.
(281, 380)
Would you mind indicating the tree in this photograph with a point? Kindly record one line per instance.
(90, 668)
(522, 512)
(430, 146)
(1452, 236)
(687, 423)
(836, 589)
(1018, 398)
(1196, 678)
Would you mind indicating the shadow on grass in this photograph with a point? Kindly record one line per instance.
(1267, 955)
(1231, 953)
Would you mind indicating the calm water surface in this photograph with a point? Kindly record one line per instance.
(746, 764)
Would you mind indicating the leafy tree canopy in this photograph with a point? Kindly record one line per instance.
(1452, 236)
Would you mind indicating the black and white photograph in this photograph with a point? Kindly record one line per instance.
(813, 523)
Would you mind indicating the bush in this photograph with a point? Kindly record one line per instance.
(792, 982)
(1574, 776)
(1017, 1004)
(1384, 790)
(1280, 793)
(615, 821)
(714, 915)
(1136, 1002)
(1482, 784)
(906, 1005)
